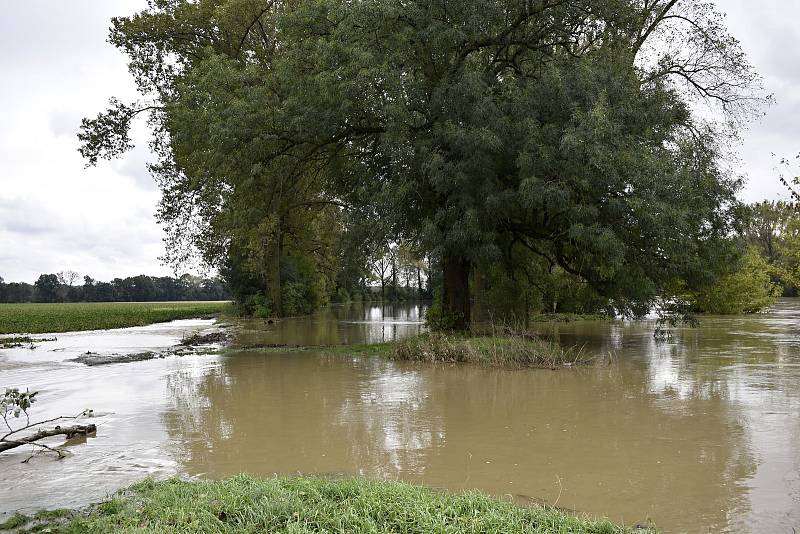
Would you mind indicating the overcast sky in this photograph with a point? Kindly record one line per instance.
(56, 67)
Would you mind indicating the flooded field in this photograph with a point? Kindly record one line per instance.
(701, 434)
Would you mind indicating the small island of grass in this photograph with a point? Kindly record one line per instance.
(514, 351)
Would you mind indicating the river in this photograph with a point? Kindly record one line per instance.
(699, 434)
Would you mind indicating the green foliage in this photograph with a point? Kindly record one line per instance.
(438, 318)
(255, 305)
(465, 132)
(342, 296)
(787, 264)
(246, 504)
(772, 229)
(54, 318)
(15, 403)
(141, 288)
(749, 288)
(295, 301)
(46, 288)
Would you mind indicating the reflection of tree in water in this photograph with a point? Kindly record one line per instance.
(750, 367)
(344, 324)
(752, 363)
(617, 447)
(288, 413)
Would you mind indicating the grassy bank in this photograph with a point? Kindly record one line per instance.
(247, 504)
(70, 317)
(499, 351)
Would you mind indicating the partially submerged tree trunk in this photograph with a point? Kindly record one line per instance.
(479, 293)
(69, 431)
(456, 298)
(274, 271)
(394, 276)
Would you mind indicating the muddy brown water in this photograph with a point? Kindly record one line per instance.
(701, 434)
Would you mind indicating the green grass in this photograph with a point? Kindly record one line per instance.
(15, 521)
(54, 318)
(497, 351)
(297, 505)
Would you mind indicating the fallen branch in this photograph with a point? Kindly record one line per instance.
(15, 403)
(69, 432)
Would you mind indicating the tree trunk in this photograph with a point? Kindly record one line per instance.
(419, 284)
(274, 271)
(479, 293)
(394, 279)
(69, 432)
(455, 297)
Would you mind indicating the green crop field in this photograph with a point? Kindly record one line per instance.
(54, 318)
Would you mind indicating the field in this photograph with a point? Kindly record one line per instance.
(295, 505)
(55, 318)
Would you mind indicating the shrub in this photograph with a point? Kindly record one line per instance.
(747, 289)
(342, 296)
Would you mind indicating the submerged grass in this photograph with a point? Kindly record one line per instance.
(499, 351)
(357, 349)
(70, 317)
(296, 505)
(568, 317)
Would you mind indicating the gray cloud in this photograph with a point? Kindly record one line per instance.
(134, 166)
(25, 217)
(65, 122)
(769, 34)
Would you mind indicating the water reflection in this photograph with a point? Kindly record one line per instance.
(701, 434)
(343, 324)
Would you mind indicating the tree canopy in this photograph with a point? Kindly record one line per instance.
(481, 132)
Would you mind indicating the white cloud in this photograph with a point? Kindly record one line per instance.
(54, 213)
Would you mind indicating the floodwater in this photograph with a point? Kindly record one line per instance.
(700, 434)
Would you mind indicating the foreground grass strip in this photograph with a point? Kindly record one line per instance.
(71, 317)
(247, 504)
(498, 351)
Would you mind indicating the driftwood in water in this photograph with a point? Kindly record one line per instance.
(68, 431)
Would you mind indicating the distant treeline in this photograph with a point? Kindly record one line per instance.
(64, 287)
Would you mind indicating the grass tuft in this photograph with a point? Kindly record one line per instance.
(499, 351)
(14, 522)
(303, 505)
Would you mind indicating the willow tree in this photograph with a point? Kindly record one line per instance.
(477, 128)
(242, 185)
(564, 128)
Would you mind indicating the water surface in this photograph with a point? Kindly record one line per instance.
(700, 435)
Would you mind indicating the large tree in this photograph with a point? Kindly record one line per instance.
(476, 128)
